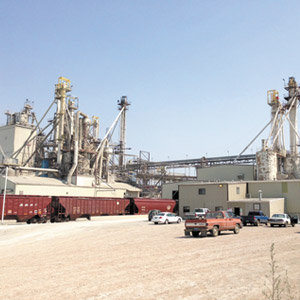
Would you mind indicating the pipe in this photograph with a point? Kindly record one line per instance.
(15, 154)
(99, 156)
(284, 116)
(44, 139)
(295, 130)
(260, 195)
(109, 130)
(76, 150)
(37, 169)
(251, 142)
(4, 195)
(273, 125)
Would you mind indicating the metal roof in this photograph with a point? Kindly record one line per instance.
(47, 181)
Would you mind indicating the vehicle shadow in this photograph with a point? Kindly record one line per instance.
(203, 237)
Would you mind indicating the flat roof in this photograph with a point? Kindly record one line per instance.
(274, 181)
(211, 182)
(256, 200)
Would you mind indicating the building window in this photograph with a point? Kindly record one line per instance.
(175, 195)
(217, 208)
(256, 206)
(238, 190)
(284, 187)
(202, 192)
(186, 209)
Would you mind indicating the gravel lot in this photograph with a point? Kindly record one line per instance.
(127, 257)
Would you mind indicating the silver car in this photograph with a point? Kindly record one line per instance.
(280, 220)
(166, 218)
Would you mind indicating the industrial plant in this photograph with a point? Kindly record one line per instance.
(64, 156)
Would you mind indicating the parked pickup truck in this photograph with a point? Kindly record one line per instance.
(255, 218)
(198, 212)
(213, 222)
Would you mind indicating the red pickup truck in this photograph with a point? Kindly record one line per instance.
(213, 222)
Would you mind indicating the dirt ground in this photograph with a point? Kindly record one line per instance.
(127, 257)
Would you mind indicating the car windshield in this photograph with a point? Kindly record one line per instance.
(198, 210)
(160, 214)
(278, 216)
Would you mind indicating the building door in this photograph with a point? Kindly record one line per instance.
(237, 211)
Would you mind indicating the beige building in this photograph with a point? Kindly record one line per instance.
(226, 173)
(219, 192)
(268, 206)
(287, 189)
(214, 196)
(213, 174)
(170, 190)
(232, 196)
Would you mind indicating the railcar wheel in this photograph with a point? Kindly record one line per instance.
(215, 231)
(236, 229)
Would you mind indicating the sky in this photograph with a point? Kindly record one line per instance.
(195, 72)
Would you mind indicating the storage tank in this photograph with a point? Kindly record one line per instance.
(266, 165)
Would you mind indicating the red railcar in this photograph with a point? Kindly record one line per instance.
(71, 208)
(144, 205)
(26, 208)
(32, 209)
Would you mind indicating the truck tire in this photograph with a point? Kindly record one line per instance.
(215, 231)
(257, 223)
(236, 229)
(195, 233)
(285, 224)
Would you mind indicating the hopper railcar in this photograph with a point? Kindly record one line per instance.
(40, 209)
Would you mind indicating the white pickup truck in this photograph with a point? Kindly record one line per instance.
(198, 212)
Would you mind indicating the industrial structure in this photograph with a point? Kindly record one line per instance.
(65, 154)
(274, 161)
(68, 152)
(270, 184)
